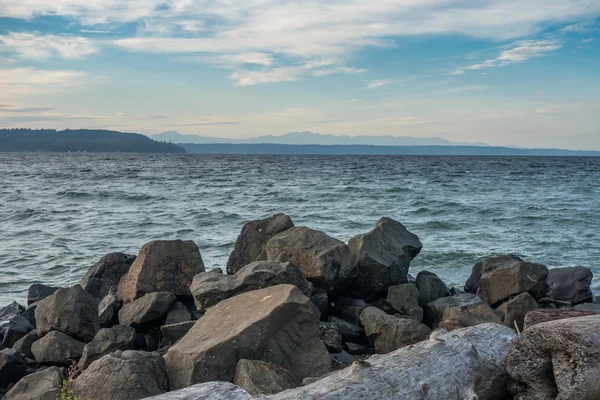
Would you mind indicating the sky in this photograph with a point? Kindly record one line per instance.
(502, 72)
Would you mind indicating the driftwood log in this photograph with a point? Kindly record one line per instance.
(548, 314)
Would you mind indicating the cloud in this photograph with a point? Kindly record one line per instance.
(40, 47)
(19, 109)
(153, 116)
(469, 88)
(28, 80)
(588, 40)
(208, 123)
(580, 27)
(372, 84)
(249, 78)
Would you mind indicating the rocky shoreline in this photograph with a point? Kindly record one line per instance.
(301, 315)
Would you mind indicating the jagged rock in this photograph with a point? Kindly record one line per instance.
(15, 329)
(29, 313)
(124, 375)
(12, 366)
(43, 385)
(404, 298)
(557, 360)
(174, 332)
(357, 349)
(104, 276)
(388, 333)
(206, 391)
(162, 266)
(434, 311)
(350, 332)
(331, 336)
(38, 291)
(463, 364)
(146, 312)
(320, 299)
(250, 244)
(547, 302)
(209, 288)
(228, 332)
(570, 284)
(349, 309)
(72, 311)
(430, 287)
(24, 344)
(516, 308)
(259, 377)
(177, 314)
(108, 310)
(470, 315)
(56, 348)
(382, 256)
(119, 337)
(7, 313)
(545, 315)
(325, 261)
(488, 264)
(513, 278)
(342, 359)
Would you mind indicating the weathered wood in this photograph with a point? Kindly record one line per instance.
(551, 314)
(206, 391)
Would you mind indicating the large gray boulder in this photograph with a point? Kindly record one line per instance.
(349, 309)
(178, 313)
(174, 332)
(513, 278)
(430, 287)
(38, 291)
(43, 385)
(570, 284)
(206, 391)
(162, 266)
(72, 311)
(56, 348)
(469, 315)
(12, 366)
(250, 244)
(388, 333)
(325, 261)
(404, 298)
(557, 360)
(108, 310)
(147, 311)
(209, 288)
(434, 310)
(259, 377)
(123, 375)
(24, 344)
(350, 332)
(119, 337)
(382, 256)
(490, 263)
(104, 276)
(277, 325)
(516, 308)
(7, 313)
(15, 329)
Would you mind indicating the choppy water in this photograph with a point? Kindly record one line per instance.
(59, 213)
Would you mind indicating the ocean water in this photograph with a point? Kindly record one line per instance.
(59, 213)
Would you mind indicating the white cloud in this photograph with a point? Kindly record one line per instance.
(18, 81)
(588, 40)
(372, 84)
(469, 88)
(39, 47)
(249, 78)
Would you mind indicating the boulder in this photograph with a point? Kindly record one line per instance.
(350, 332)
(358, 349)
(209, 288)
(277, 325)
(570, 284)
(404, 298)
(470, 315)
(56, 348)
(119, 337)
(72, 311)
(547, 302)
(489, 264)
(146, 312)
(206, 391)
(177, 314)
(349, 309)
(588, 307)
(24, 344)
(516, 308)
(42, 385)
(430, 287)
(38, 291)
(325, 261)
(320, 299)
(162, 266)
(434, 311)
(7, 313)
(557, 360)
(12, 366)
(15, 329)
(464, 364)
(342, 359)
(123, 375)
(331, 336)
(259, 377)
(174, 332)
(513, 278)
(388, 333)
(104, 276)
(29, 313)
(250, 244)
(108, 310)
(382, 257)
(544, 315)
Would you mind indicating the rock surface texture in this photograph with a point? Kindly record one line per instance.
(570, 284)
(513, 278)
(56, 348)
(206, 391)
(43, 385)
(104, 276)
(388, 333)
(259, 377)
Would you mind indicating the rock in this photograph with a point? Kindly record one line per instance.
(15, 329)
(123, 375)
(470, 315)
(259, 377)
(209, 288)
(547, 302)
(146, 312)
(250, 244)
(557, 360)
(388, 333)
(12, 366)
(174, 332)
(488, 264)
(544, 315)
(24, 344)
(29, 313)
(177, 313)
(588, 307)
(382, 257)
(349, 309)
(206, 391)
(108, 310)
(516, 308)
(570, 284)
(228, 331)
(42, 385)
(331, 336)
(358, 349)
(465, 364)
(342, 359)
(434, 311)
(513, 278)
(325, 261)
(38, 291)
(104, 276)
(72, 311)
(119, 337)
(350, 332)
(472, 284)
(320, 299)
(7, 313)
(405, 299)
(430, 287)
(56, 348)
(162, 266)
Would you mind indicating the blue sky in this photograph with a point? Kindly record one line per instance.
(508, 72)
